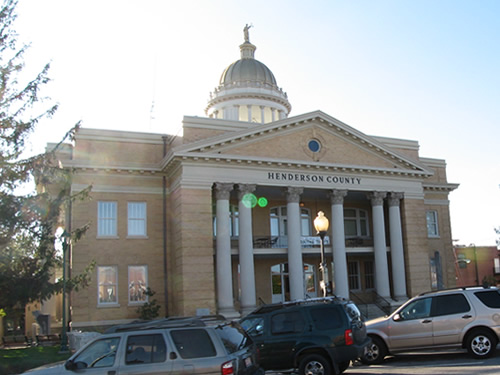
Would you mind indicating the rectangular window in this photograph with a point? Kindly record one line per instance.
(432, 224)
(193, 343)
(136, 219)
(353, 275)
(137, 284)
(369, 275)
(146, 349)
(106, 219)
(107, 279)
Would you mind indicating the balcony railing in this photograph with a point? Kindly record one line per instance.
(281, 242)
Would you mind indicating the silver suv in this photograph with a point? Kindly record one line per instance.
(167, 346)
(461, 318)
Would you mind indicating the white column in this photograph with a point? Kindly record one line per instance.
(295, 266)
(273, 114)
(262, 114)
(247, 270)
(380, 247)
(397, 252)
(249, 108)
(223, 251)
(338, 244)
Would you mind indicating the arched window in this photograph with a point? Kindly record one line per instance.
(280, 286)
(356, 223)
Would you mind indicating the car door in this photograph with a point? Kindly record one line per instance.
(411, 327)
(259, 329)
(285, 329)
(450, 314)
(145, 354)
(196, 352)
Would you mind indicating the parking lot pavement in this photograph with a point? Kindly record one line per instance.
(431, 363)
(428, 363)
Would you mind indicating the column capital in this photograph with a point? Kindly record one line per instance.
(395, 199)
(337, 196)
(223, 190)
(244, 189)
(293, 194)
(377, 197)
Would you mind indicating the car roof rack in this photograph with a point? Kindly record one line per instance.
(308, 301)
(170, 322)
(459, 288)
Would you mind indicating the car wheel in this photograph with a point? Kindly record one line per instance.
(343, 366)
(481, 344)
(314, 364)
(376, 352)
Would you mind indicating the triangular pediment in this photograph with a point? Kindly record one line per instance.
(287, 141)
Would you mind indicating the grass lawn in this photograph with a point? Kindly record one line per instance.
(16, 361)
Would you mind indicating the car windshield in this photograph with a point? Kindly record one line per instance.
(233, 337)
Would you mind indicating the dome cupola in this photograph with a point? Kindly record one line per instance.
(248, 90)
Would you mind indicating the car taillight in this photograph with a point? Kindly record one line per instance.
(348, 337)
(227, 368)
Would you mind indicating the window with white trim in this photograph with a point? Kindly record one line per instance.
(106, 219)
(234, 223)
(107, 281)
(356, 223)
(137, 284)
(432, 224)
(136, 213)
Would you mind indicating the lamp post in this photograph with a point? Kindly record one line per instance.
(64, 337)
(321, 225)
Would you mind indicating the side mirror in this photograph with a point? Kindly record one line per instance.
(397, 318)
(69, 365)
(259, 330)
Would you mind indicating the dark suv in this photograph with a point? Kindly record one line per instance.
(315, 336)
(167, 346)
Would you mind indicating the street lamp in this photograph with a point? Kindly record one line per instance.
(321, 226)
(64, 337)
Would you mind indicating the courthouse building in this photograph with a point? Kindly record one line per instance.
(220, 219)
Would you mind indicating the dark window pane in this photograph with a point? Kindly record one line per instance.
(450, 304)
(193, 343)
(490, 298)
(328, 317)
(145, 349)
(289, 322)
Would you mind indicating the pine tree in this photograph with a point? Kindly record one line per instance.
(28, 221)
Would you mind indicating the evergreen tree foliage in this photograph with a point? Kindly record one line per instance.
(28, 221)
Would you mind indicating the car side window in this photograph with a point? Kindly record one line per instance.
(491, 298)
(100, 353)
(327, 317)
(193, 343)
(287, 322)
(450, 304)
(145, 349)
(418, 309)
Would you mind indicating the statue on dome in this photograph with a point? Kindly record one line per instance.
(245, 32)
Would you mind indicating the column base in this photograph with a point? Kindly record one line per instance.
(229, 313)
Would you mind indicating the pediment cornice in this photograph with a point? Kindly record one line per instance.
(218, 148)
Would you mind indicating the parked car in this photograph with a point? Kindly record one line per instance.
(461, 318)
(314, 336)
(166, 346)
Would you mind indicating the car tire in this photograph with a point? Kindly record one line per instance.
(314, 364)
(376, 352)
(343, 366)
(481, 344)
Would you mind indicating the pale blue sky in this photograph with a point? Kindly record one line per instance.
(426, 70)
